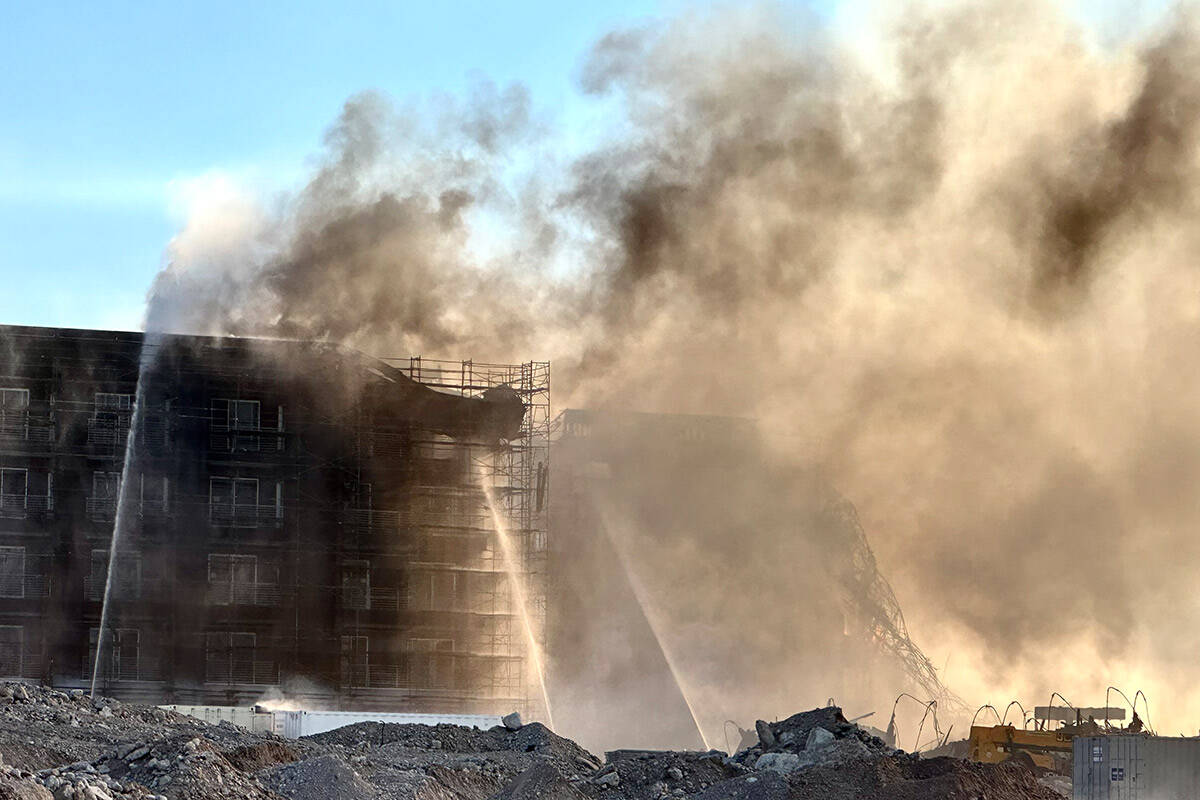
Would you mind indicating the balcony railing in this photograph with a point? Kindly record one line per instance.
(388, 519)
(14, 424)
(101, 507)
(21, 425)
(492, 603)
(386, 676)
(105, 508)
(37, 585)
(129, 666)
(110, 434)
(24, 587)
(220, 669)
(245, 594)
(385, 599)
(377, 598)
(242, 442)
(19, 506)
(264, 672)
(152, 433)
(107, 432)
(17, 663)
(436, 671)
(244, 515)
(245, 440)
(123, 588)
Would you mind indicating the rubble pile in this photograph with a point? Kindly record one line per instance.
(419, 761)
(649, 775)
(65, 746)
(821, 737)
(818, 755)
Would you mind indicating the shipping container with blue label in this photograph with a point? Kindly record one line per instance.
(1136, 767)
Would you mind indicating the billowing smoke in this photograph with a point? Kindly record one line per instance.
(958, 279)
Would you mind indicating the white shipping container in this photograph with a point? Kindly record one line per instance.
(245, 716)
(1135, 767)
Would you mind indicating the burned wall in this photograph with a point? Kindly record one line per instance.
(275, 500)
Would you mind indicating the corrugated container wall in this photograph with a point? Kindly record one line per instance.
(1136, 768)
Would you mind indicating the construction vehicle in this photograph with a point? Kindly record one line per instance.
(1042, 749)
(1046, 750)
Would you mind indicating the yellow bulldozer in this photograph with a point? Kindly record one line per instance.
(1046, 750)
(1042, 748)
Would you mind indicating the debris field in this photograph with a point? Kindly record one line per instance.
(67, 746)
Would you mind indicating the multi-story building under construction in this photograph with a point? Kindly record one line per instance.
(288, 516)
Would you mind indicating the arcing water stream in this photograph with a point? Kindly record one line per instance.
(119, 519)
(520, 599)
(640, 596)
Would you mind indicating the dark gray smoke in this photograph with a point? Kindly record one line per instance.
(958, 279)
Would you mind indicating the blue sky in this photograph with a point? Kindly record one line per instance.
(107, 106)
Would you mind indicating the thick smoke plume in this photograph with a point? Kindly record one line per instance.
(959, 280)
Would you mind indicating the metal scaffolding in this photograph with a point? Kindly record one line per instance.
(515, 474)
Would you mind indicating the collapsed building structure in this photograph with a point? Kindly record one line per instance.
(290, 515)
(693, 578)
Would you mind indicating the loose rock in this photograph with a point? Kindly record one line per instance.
(766, 736)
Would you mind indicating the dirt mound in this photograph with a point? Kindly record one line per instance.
(530, 738)
(442, 783)
(260, 756)
(768, 786)
(318, 779)
(539, 782)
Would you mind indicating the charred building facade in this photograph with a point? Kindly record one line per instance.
(268, 516)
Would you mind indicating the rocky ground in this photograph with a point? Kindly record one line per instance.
(67, 746)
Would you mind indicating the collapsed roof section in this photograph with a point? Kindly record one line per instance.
(494, 415)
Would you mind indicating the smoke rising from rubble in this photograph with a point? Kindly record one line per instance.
(959, 281)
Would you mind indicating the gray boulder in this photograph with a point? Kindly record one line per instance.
(783, 763)
(817, 738)
(766, 736)
(609, 779)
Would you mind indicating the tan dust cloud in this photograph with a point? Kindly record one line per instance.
(959, 282)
